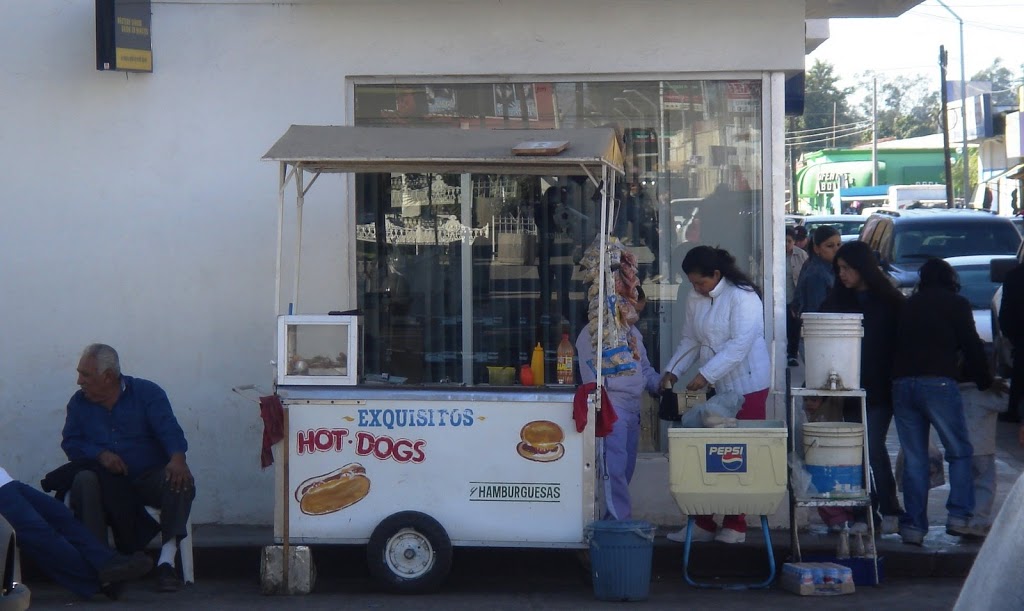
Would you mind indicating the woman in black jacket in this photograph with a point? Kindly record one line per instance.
(863, 288)
(935, 327)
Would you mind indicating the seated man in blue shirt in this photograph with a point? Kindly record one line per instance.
(126, 425)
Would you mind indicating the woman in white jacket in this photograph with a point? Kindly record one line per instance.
(723, 332)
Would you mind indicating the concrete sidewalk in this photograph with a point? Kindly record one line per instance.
(229, 551)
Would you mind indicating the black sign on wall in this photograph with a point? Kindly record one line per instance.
(123, 40)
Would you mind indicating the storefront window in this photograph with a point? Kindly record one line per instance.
(442, 309)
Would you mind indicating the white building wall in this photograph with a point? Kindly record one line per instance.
(137, 212)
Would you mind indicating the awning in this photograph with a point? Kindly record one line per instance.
(331, 148)
(1016, 173)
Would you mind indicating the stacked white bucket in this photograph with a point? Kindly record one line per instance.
(833, 451)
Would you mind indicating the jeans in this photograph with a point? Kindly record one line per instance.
(152, 489)
(53, 539)
(918, 403)
(984, 467)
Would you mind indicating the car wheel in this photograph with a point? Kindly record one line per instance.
(409, 552)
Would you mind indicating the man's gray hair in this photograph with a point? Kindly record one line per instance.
(106, 358)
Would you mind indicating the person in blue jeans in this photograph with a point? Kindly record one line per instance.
(63, 547)
(936, 324)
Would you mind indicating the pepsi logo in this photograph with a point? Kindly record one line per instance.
(732, 461)
(726, 458)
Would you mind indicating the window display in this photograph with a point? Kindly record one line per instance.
(459, 274)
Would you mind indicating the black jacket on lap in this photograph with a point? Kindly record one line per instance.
(936, 324)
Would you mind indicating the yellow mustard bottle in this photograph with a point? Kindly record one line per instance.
(537, 365)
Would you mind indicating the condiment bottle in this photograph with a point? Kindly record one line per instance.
(563, 366)
(526, 376)
(537, 365)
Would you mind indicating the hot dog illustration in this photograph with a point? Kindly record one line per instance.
(541, 441)
(333, 491)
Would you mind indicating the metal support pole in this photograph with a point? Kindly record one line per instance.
(874, 132)
(963, 105)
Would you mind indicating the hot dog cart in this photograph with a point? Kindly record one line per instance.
(402, 429)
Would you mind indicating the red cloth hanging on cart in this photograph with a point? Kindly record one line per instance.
(272, 413)
(606, 416)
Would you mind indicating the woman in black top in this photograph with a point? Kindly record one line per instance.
(863, 288)
(936, 326)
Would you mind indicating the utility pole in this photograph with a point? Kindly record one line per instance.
(834, 111)
(874, 132)
(945, 126)
(963, 105)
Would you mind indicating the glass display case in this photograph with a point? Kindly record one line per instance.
(318, 350)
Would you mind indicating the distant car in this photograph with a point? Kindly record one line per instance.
(904, 240)
(1000, 345)
(14, 596)
(849, 225)
(974, 272)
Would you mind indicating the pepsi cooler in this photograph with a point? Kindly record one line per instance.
(728, 470)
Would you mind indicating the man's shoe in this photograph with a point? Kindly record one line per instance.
(124, 568)
(728, 535)
(912, 537)
(966, 531)
(699, 535)
(112, 590)
(792, 362)
(167, 578)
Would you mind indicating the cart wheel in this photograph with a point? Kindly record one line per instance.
(409, 552)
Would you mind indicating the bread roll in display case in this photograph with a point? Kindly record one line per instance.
(321, 350)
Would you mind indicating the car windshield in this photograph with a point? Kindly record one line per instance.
(976, 285)
(921, 241)
(851, 227)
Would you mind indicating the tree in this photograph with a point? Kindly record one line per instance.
(1004, 84)
(907, 106)
(826, 104)
(972, 172)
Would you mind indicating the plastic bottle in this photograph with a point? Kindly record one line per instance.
(526, 376)
(563, 367)
(843, 548)
(537, 365)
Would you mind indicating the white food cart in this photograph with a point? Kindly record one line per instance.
(414, 469)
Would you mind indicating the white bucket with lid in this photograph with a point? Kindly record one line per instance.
(832, 350)
(834, 457)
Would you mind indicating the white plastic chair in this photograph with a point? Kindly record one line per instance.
(184, 547)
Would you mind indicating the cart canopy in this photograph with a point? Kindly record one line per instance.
(332, 148)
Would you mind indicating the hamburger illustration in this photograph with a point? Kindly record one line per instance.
(541, 441)
(333, 491)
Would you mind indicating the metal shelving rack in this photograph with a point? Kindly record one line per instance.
(863, 500)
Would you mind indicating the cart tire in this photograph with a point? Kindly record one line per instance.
(409, 552)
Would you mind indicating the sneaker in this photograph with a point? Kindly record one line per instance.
(890, 525)
(699, 535)
(912, 537)
(728, 535)
(167, 578)
(966, 531)
(792, 362)
(125, 568)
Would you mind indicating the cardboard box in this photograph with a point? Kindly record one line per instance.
(817, 579)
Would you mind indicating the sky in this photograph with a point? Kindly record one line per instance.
(909, 44)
